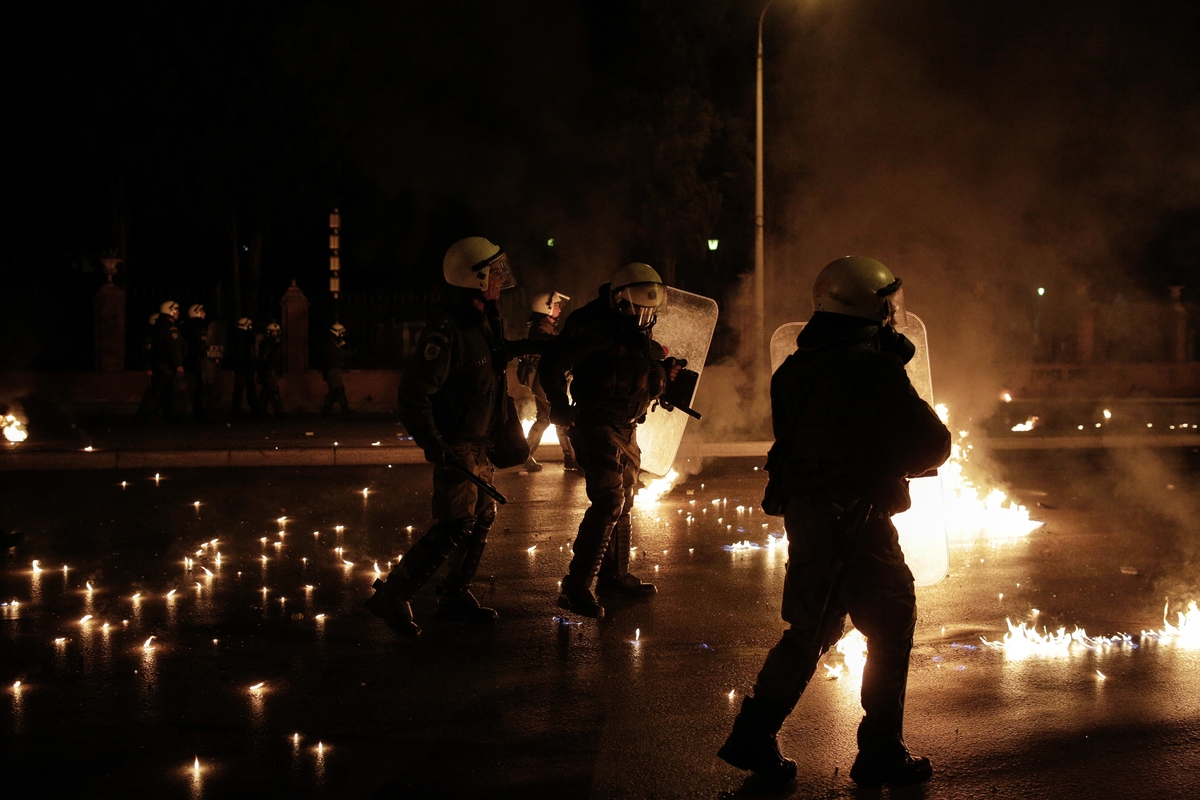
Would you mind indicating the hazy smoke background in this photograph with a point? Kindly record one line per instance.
(981, 151)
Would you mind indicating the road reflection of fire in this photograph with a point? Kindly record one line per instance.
(14, 430)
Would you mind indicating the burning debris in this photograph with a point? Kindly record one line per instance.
(14, 430)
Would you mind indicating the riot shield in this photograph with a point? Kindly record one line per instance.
(685, 327)
(923, 527)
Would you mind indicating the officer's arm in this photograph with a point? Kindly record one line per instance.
(516, 348)
(560, 357)
(912, 438)
(424, 374)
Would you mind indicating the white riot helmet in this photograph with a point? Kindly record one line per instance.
(636, 290)
(273, 329)
(860, 287)
(470, 262)
(170, 308)
(338, 330)
(245, 324)
(196, 311)
(546, 302)
(154, 317)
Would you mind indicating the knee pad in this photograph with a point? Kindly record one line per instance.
(456, 531)
(486, 518)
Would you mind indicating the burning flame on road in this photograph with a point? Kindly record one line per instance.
(1186, 632)
(14, 430)
(549, 437)
(853, 649)
(973, 511)
(1022, 641)
(650, 494)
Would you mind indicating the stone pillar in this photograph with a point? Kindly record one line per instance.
(1085, 329)
(109, 305)
(1179, 341)
(295, 329)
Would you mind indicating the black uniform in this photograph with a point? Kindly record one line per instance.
(168, 383)
(197, 364)
(849, 432)
(240, 357)
(453, 401)
(617, 372)
(336, 354)
(270, 367)
(542, 328)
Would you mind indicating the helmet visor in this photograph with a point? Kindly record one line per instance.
(897, 317)
(499, 270)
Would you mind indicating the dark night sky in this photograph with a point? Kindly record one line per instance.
(978, 147)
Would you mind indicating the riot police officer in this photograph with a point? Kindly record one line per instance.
(543, 326)
(240, 357)
(150, 399)
(336, 354)
(849, 433)
(270, 367)
(197, 363)
(168, 384)
(453, 399)
(617, 371)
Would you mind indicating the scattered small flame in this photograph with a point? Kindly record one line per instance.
(1027, 425)
(257, 687)
(1186, 632)
(148, 645)
(86, 619)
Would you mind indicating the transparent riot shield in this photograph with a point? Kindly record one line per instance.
(685, 327)
(923, 527)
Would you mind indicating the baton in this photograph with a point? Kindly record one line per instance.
(487, 488)
(859, 514)
(691, 412)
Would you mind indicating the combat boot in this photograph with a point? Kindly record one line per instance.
(752, 745)
(391, 605)
(570, 464)
(577, 597)
(628, 586)
(532, 465)
(457, 604)
(890, 764)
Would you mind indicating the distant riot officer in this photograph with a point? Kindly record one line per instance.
(168, 383)
(617, 371)
(849, 433)
(336, 353)
(270, 367)
(453, 401)
(543, 326)
(197, 364)
(150, 399)
(240, 356)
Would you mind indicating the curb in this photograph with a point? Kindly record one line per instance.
(178, 459)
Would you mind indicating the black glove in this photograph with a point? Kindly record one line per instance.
(896, 344)
(672, 365)
(563, 417)
(440, 455)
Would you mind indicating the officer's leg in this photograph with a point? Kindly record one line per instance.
(327, 406)
(456, 601)
(540, 423)
(882, 603)
(251, 390)
(614, 579)
(817, 621)
(151, 400)
(454, 502)
(339, 393)
(570, 464)
(179, 394)
(605, 477)
(198, 396)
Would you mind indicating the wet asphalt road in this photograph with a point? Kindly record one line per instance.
(634, 706)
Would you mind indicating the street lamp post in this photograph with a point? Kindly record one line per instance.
(759, 245)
